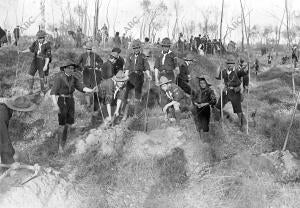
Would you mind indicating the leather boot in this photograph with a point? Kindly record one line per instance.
(241, 121)
(42, 84)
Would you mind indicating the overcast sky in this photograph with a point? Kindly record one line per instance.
(263, 12)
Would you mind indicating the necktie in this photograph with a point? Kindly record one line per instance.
(163, 59)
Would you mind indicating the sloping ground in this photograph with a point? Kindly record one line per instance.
(165, 167)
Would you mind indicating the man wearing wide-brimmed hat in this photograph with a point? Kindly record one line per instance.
(232, 91)
(182, 79)
(135, 66)
(90, 63)
(112, 92)
(172, 99)
(41, 59)
(7, 106)
(62, 96)
(165, 63)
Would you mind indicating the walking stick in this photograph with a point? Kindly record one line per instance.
(146, 111)
(291, 123)
(220, 59)
(98, 89)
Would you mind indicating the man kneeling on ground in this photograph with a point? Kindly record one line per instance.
(112, 92)
(172, 99)
(7, 106)
(63, 100)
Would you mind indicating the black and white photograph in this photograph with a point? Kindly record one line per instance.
(149, 104)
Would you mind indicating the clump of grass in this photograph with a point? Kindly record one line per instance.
(275, 128)
(173, 171)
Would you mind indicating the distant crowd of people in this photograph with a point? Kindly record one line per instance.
(8, 38)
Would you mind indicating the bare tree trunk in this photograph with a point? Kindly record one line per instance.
(116, 16)
(85, 18)
(287, 23)
(248, 56)
(107, 20)
(221, 24)
(243, 48)
(96, 19)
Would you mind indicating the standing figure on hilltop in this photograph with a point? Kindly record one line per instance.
(104, 31)
(7, 107)
(135, 66)
(256, 66)
(78, 38)
(165, 63)
(117, 40)
(295, 55)
(41, 59)
(232, 92)
(8, 37)
(56, 39)
(269, 58)
(62, 96)
(16, 35)
(91, 64)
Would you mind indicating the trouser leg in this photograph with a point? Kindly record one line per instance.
(30, 84)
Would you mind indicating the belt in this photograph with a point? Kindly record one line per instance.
(66, 96)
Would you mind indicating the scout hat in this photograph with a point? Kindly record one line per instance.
(136, 44)
(230, 60)
(120, 77)
(41, 34)
(164, 80)
(88, 46)
(204, 77)
(20, 103)
(114, 55)
(118, 50)
(67, 64)
(166, 42)
(189, 57)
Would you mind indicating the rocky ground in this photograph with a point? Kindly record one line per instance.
(166, 166)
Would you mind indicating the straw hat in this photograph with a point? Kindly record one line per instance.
(20, 103)
(166, 42)
(120, 77)
(88, 46)
(164, 80)
(189, 57)
(67, 64)
(41, 34)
